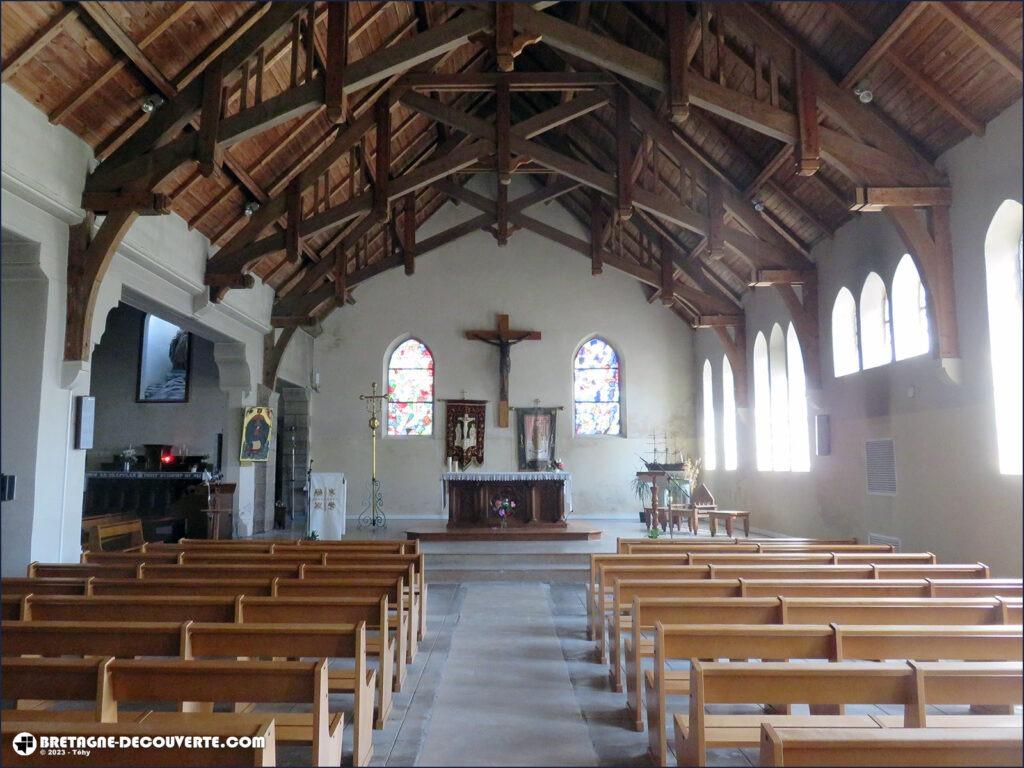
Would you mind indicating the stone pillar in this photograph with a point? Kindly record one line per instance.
(235, 379)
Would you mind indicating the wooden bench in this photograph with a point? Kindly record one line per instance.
(13, 585)
(829, 685)
(729, 517)
(194, 640)
(623, 543)
(871, 746)
(128, 608)
(789, 642)
(171, 756)
(81, 570)
(182, 587)
(648, 612)
(259, 682)
(130, 558)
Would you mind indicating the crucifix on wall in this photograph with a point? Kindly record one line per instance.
(503, 338)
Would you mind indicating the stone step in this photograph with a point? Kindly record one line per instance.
(506, 560)
(544, 573)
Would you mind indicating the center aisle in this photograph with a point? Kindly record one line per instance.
(505, 697)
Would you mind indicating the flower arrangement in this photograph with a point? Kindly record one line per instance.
(503, 509)
(559, 465)
(691, 470)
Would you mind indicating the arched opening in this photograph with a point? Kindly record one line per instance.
(710, 446)
(799, 441)
(779, 381)
(875, 323)
(729, 448)
(762, 405)
(597, 391)
(411, 390)
(1003, 274)
(909, 311)
(845, 347)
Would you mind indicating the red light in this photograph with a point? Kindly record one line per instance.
(167, 458)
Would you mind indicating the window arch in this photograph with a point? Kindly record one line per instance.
(799, 440)
(779, 398)
(762, 405)
(845, 345)
(710, 446)
(1004, 251)
(729, 452)
(875, 323)
(411, 389)
(909, 311)
(597, 392)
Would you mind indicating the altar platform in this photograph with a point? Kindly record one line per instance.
(571, 531)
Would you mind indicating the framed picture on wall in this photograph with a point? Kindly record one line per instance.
(536, 438)
(257, 426)
(165, 362)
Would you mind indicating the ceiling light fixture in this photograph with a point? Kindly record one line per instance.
(864, 93)
(152, 102)
(250, 208)
(758, 205)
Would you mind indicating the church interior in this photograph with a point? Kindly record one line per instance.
(526, 383)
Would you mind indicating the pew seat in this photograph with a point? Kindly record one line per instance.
(872, 746)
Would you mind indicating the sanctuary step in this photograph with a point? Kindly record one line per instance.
(552, 567)
(572, 532)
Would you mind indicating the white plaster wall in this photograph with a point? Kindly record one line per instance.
(951, 498)
(542, 286)
(158, 267)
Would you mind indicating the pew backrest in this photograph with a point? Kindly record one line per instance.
(113, 608)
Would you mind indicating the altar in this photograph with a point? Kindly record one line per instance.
(541, 498)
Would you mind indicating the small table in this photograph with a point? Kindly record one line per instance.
(728, 516)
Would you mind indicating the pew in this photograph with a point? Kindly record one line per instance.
(129, 558)
(829, 642)
(182, 587)
(782, 746)
(171, 757)
(128, 608)
(12, 585)
(128, 530)
(10, 606)
(312, 610)
(263, 682)
(648, 612)
(830, 685)
(40, 680)
(81, 570)
(622, 542)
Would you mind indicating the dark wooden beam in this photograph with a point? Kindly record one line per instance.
(596, 235)
(808, 148)
(208, 155)
(678, 21)
(503, 34)
(879, 198)
(623, 155)
(337, 60)
(274, 347)
(382, 174)
(409, 239)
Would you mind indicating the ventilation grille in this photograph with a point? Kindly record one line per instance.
(881, 467)
(881, 538)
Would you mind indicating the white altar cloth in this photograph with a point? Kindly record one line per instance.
(506, 477)
(327, 491)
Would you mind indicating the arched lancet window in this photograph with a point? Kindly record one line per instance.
(710, 447)
(411, 389)
(875, 323)
(799, 441)
(845, 349)
(729, 451)
(909, 311)
(762, 405)
(779, 381)
(596, 388)
(1004, 250)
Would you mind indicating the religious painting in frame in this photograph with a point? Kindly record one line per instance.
(464, 431)
(257, 426)
(536, 438)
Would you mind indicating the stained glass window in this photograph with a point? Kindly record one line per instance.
(411, 390)
(596, 389)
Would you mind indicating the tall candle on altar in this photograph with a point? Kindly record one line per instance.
(449, 463)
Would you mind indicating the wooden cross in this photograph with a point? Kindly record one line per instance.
(503, 339)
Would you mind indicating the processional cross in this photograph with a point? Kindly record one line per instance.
(503, 338)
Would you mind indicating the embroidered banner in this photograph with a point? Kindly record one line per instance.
(464, 431)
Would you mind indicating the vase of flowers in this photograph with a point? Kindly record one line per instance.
(503, 509)
(128, 457)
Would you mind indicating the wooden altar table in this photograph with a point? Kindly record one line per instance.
(541, 498)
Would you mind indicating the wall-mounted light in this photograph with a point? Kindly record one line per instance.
(152, 102)
(864, 93)
(250, 208)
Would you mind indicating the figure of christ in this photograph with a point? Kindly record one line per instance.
(503, 338)
(467, 438)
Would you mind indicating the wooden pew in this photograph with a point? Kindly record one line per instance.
(277, 682)
(311, 610)
(829, 685)
(81, 570)
(183, 587)
(214, 571)
(128, 608)
(823, 641)
(648, 612)
(10, 606)
(975, 587)
(871, 746)
(130, 558)
(623, 542)
(67, 680)
(99, 533)
(12, 585)
(171, 757)
(361, 585)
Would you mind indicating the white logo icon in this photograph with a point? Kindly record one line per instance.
(24, 744)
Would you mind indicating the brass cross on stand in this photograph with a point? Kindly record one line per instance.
(503, 338)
